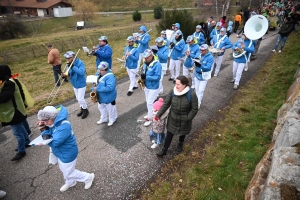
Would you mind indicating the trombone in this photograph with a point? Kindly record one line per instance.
(62, 75)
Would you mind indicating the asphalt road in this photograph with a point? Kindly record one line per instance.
(120, 156)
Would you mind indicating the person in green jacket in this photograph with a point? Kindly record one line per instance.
(12, 110)
(183, 104)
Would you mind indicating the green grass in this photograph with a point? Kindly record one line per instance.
(220, 161)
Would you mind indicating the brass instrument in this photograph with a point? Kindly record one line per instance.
(93, 51)
(238, 52)
(139, 36)
(185, 57)
(122, 61)
(140, 81)
(62, 75)
(215, 51)
(196, 60)
(94, 97)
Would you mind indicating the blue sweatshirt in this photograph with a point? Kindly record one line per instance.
(177, 51)
(194, 54)
(77, 74)
(163, 53)
(143, 41)
(131, 60)
(107, 88)
(200, 38)
(207, 61)
(153, 74)
(220, 41)
(104, 53)
(249, 48)
(64, 144)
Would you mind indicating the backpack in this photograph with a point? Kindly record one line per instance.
(188, 95)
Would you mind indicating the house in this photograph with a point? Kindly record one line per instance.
(33, 7)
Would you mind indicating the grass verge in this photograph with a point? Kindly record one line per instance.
(220, 161)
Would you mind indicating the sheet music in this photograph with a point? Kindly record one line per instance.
(40, 141)
(91, 79)
(85, 49)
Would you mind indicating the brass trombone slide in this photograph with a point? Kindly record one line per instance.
(62, 75)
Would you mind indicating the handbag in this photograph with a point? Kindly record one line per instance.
(206, 75)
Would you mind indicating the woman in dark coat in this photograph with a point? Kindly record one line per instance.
(184, 107)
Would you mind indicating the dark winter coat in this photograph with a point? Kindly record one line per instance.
(182, 112)
(286, 29)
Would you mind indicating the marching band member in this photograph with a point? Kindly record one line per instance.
(78, 81)
(239, 62)
(142, 42)
(151, 75)
(131, 56)
(103, 52)
(215, 31)
(220, 41)
(207, 60)
(162, 54)
(177, 47)
(63, 145)
(107, 94)
(192, 52)
(163, 34)
(199, 35)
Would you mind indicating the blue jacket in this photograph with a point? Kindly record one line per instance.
(247, 43)
(143, 41)
(163, 53)
(167, 42)
(221, 41)
(77, 74)
(207, 61)
(177, 51)
(153, 74)
(104, 53)
(229, 27)
(131, 60)
(194, 53)
(107, 88)
(64, 144)
(213, 33)
(200, 38)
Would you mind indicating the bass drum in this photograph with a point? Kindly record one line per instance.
(170, 34)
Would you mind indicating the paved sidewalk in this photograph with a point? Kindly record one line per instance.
(120, 155)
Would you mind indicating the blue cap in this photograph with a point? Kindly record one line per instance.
(178, 33)
(147, 53)
(102, 38)
(159, 39)
(219, 24)
(199, 26)
(69, 54)
(223, 29)
(103, 65)
(130, 38)
(190, 38)
(204, 47)
(163, 32)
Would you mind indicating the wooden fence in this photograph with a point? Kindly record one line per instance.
(38, 50)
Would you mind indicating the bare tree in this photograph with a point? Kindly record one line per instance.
(35, 25)
(85, 10)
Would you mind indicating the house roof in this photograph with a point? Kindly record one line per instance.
(32, 3)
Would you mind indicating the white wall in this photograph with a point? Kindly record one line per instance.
(62, 12)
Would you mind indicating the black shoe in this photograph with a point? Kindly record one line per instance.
(174, 81)
(179, 147)
(66, 80)
(162, 153)
(85, 113)
(18, 156)
(80, 112)
(135, 88)
(129, 93)
(170, 79)
(26, 146)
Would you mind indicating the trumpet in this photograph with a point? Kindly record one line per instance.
(140, 36)
(67, 68)
(122, 61)
(93, 51)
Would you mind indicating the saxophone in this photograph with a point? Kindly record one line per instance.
(140, 81)
(196, 60)
(93, 96)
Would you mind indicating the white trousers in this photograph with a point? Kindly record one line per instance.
(139, 61)
(151, 95)
(199, 89)
(218, 61)
(237, 70)
(132, 77)
(187, 73)
(71, 174)
(108, 112)
(163, 72)
(79, 93)
(174, 68)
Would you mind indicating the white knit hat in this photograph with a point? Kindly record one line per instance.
(49, 112)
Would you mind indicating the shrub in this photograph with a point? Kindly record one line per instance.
(136, 16)
(158, 12)
(183, 17)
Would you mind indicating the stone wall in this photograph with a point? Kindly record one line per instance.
(277, 175)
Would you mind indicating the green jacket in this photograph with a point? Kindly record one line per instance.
(12, 109)
(181, 112)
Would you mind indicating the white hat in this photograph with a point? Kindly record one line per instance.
(49, 112)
